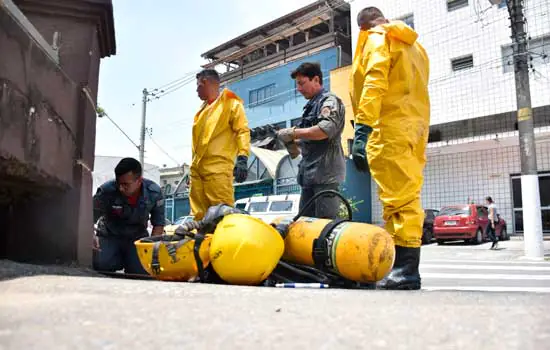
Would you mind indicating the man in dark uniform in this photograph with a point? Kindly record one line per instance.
(122, 208)
(318, 136)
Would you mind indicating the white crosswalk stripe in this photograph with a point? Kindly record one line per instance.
(491, 289)
(488, 276)
(486, 267)
(466, 276)
(484, 262)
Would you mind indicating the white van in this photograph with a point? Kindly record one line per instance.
(268, 208)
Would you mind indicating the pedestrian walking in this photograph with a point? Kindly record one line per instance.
(493, 221)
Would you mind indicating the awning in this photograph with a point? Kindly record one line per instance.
(270, 159)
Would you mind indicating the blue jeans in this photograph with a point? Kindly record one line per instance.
(116, 254)
(491, 232)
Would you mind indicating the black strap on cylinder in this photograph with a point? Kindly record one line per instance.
(155, 264)
(320, 253)
(152, 239)
(171, 248)
(199, 238)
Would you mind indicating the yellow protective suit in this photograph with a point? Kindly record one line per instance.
(389, 92)
(220, 134)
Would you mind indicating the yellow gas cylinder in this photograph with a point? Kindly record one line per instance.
(168, 259)
(356, 251)
(245, 250)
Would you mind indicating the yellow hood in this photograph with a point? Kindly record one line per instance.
(398, 30)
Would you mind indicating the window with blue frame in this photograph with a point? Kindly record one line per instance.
(261, 95)
(502, 4)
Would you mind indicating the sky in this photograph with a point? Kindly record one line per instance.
(155, 46)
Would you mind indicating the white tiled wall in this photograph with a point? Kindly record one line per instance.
(453, 178)
(485, 89)
(479, 30)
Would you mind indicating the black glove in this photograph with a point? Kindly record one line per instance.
(214, 215)
(241, 169)
(358, 150)
(186, 228)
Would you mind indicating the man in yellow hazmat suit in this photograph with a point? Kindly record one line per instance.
(221, 145)
(389, 93)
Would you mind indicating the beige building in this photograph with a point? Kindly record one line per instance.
(171, 178)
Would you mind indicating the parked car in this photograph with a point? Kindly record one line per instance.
(466, 222)
(428, 228)
(268, 208)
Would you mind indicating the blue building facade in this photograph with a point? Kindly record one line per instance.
(270, 97)
(258, 65)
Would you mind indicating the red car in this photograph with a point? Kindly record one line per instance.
(466, 222)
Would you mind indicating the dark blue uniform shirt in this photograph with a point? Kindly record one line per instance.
(323, 161)
(119, 218)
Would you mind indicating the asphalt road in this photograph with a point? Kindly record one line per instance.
(55, 312)
(73, 312)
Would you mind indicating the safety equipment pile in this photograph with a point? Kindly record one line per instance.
(228, 246)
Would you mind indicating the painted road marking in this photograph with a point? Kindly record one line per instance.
(494, 262)
(485, 267)
(490, 289)
(465, 276)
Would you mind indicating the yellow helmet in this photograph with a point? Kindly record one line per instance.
(245, 250)
(168, 259)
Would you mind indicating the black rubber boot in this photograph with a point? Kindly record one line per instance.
(404, 275)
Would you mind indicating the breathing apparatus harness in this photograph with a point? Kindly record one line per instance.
(171, 244)
(286, 272)
(207, 225)
(184, 234)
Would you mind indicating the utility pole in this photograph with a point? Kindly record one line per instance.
(143, 128)
(532, 222)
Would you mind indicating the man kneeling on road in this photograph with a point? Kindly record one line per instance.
(121, 210)
(319, 135)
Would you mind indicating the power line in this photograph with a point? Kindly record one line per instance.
(150, 134)
(181, 82)
(173, 82)
(478, 68)
(101, 113)
(187, 78)
(172, 89)
(104, 114)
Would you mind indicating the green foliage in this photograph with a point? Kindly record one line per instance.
(100, 112)
(343, 210)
